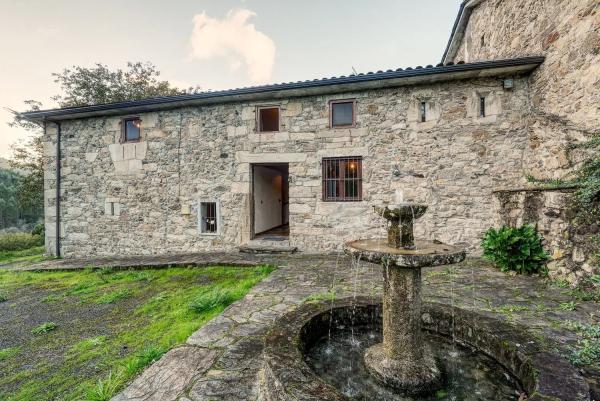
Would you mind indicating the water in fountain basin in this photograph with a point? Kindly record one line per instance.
(475, 376)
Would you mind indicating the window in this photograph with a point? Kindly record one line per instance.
(208, 218)
(268, 119)
(112, 207)
(342, 179)
(131, 129)
(341, 113)
(482, 106)
(482, 40)
(423, 110)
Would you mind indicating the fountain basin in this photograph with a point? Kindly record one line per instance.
(286, 376)
(426, 253)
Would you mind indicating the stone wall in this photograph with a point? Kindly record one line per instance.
(565, 90)
(572, 257)
(143, 198)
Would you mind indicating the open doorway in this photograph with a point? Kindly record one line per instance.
(270, 193)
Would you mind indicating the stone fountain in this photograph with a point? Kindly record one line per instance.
(334, 350)
(402, 361)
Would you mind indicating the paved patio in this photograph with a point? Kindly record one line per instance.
(221, 360)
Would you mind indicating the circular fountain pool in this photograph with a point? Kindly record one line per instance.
(467, 375)
(315, 353)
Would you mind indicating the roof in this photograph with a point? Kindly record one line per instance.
(458, 30)
(355, 82)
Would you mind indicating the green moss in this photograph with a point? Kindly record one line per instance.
(98, 355)
(6, 353)
(326, 296)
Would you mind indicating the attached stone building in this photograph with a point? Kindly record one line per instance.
(218, 170)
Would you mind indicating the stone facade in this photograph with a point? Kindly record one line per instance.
(566, 241)
(565, 94)
(565, 90)
(143, 198)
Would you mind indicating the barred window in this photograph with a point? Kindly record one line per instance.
(208, 218)
(342, 179)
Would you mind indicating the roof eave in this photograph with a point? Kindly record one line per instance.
(458, 30)
(307, 88)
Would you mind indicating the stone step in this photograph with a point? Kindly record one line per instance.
(264, 246)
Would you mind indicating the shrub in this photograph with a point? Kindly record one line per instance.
(19, 241)
(39, 229)
(519, 249)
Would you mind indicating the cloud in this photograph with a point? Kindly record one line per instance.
(236, 40)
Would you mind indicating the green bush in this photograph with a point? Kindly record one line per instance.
(19, 241)
(39, 229)
(519, 249)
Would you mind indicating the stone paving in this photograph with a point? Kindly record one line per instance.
(221, 360)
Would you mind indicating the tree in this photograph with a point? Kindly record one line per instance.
(9, 206)
(80, 86)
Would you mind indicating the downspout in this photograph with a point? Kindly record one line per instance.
(58, 156)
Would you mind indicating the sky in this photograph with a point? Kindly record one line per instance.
(211, 44)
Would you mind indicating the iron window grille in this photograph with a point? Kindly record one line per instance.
(342, 113)
(131, 129)
(208, 219)
(342, 179)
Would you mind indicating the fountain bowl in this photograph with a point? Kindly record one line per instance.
(426, 253)
(287, 376)
(404, 210)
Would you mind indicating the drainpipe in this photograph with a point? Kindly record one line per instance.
(58, 156)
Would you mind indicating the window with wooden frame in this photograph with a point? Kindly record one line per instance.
(342, 179)
(209, 218)
(268, 119)
(342, 113)
(131, 129)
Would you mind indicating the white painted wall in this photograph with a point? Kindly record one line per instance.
(267, 198)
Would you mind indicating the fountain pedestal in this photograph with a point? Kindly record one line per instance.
(402, 361)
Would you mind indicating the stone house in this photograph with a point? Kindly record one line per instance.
(301, 164)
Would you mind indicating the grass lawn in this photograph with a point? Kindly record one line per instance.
(30, 255)
(82, 335)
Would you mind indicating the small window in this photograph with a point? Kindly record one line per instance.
(342, 179)
(482, 40)
(482, 106)
(208, 217)
(268, 119)
(342, 113)
(423, 111)
(131, 129)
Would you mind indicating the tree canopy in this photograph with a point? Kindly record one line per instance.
(79, 86)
